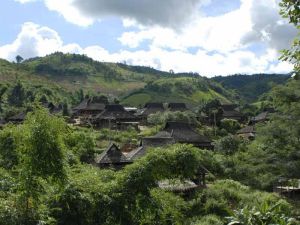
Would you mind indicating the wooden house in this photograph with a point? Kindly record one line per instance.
(150, 108)
(18, 118)
(176, 106)
(158, 140)
(229, 112)
(88, 107)
(112, 157)
(261, 117)
(183, 133)
(247, 132)
(115, 116)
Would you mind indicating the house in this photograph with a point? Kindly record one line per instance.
(115, 116)
(182, 132)
(112, 157)
(175, 106)
(150, 108)
(247, 132)
(158, 140)
(89, 107)
(18, 118)
(52, 108)
(2, 123)
(262, 117)
(229, 112)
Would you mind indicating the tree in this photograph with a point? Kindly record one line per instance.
(17, 95)
(19, 59)
(42, 159)
(290, 9)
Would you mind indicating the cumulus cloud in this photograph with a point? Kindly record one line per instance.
(268, 26)
(35, 40)
(25, 1)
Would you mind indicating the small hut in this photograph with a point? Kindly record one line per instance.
(247, 132)
(183, 133)
(18, 118)
(112, 157)
(262, 117)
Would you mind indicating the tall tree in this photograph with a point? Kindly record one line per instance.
(19, 59)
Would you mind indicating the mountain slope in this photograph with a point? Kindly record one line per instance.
(250, 87)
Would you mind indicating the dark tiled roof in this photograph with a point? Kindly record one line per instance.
(231, 113)
(19, 117)
(247, 129)
(112, 155)
(177, 106)
(182, 132)
(88, 104)
(148, 142)
(260, 117)
(228, 107)
(115, 111)
(151, 108)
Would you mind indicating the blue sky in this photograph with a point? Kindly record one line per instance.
(211, 37)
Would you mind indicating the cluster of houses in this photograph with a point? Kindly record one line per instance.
(99, 113)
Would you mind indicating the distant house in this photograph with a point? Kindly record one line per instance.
(116, 117)
(2, 123)
(88, 107)
(150, 108)
(262, 117)
(229, 112)
(18, 118)
(53, 109)
(112, 157)
(158, 140)
(175, 106)
(247, 132)
(183, 133)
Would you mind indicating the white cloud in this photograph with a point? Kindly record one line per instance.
(35, 40)
(25, 1)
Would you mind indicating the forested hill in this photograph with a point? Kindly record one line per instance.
(250, 87)
(132, 85)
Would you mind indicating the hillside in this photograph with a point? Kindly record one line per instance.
(250, 88)
(66, 74)
(133, 85)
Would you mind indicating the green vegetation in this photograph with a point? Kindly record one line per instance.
(250, 88)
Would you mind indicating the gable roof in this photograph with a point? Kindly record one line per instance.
(18, 117)
(115, 111)
(112, 155)
(228, 107)
(182, 132)
(176, 106)
(231, 113)
(246, 130)
(260, 117)
(89, 104)
(159, 140)
(151, 108)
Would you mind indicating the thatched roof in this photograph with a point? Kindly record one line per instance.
(112, 155)
(159, 140)
(114, 112)
(246, 130)
(151, 108)
(174, 106)
(183, 133)
(18, 117)
(228, 107)
(260, 117)
(90, 105)
(231, 113)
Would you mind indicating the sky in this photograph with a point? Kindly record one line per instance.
(209, 37)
